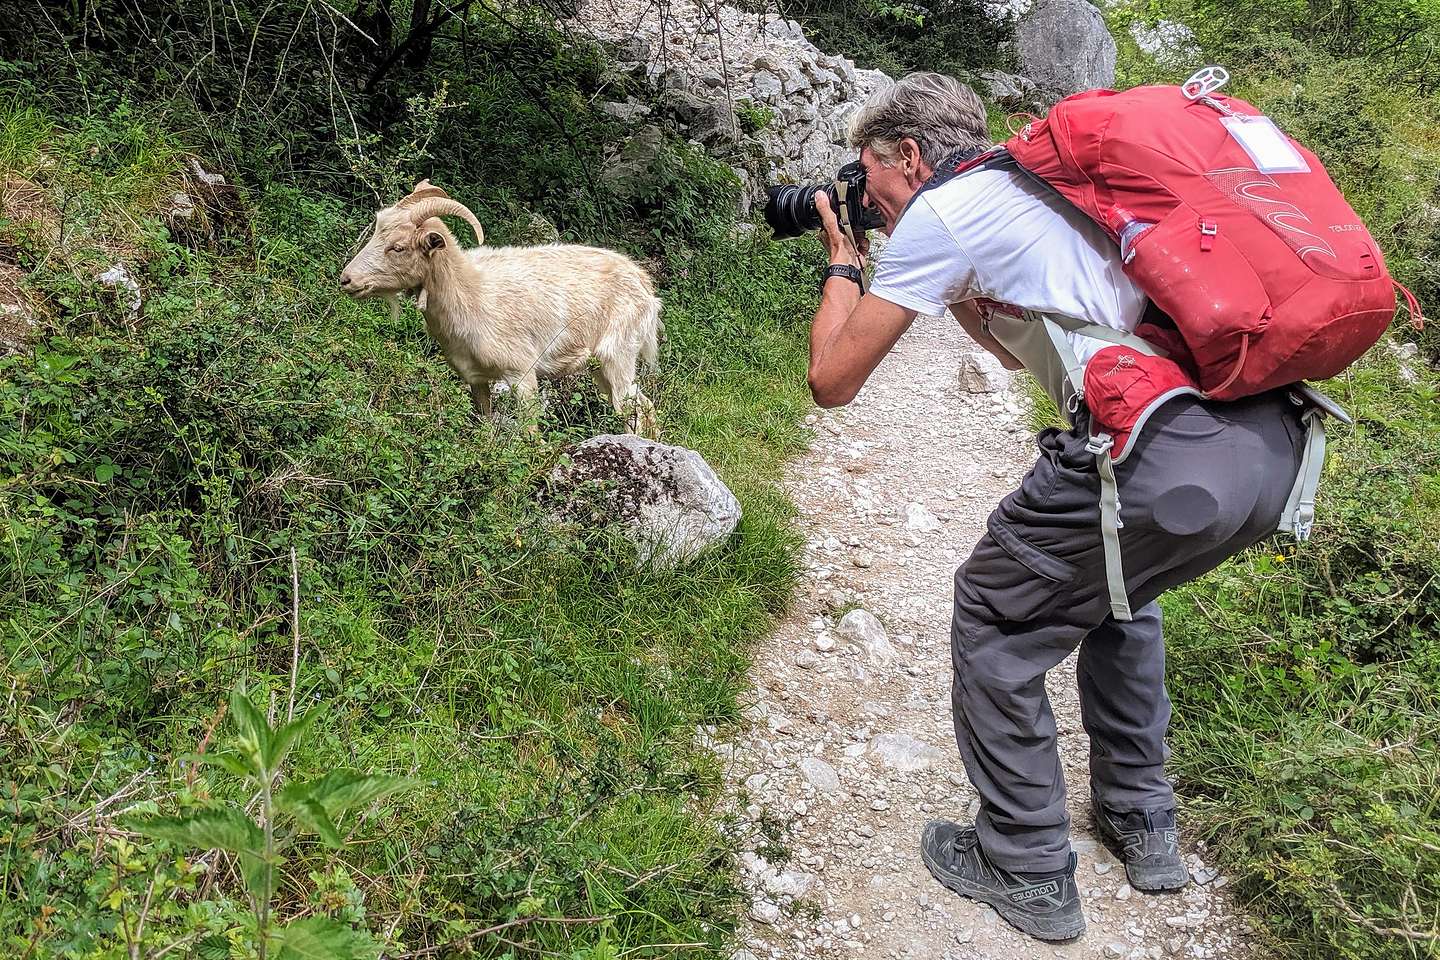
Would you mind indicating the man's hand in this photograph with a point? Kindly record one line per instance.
(850, 334)
(971, 322)
(834, 238)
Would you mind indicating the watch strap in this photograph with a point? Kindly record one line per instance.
(846, 270)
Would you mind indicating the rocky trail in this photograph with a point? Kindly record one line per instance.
(851, 747)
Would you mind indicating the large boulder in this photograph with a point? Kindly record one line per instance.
(1063, 47)
(667, 499)
(714, 62)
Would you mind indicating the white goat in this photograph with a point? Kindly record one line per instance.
(514, 314)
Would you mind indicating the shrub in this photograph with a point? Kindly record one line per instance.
(1304, 680)
(157, 471)
(951, 36)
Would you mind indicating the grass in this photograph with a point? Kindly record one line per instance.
(538, 689)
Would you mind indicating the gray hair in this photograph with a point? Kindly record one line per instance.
(940, 113)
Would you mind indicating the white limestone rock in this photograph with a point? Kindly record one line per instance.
(667, 499)
(904, 753)
(819, 774)
(863, 629)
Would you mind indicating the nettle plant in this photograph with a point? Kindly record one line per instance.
(283, 814)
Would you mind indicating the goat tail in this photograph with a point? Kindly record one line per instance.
(653, 329)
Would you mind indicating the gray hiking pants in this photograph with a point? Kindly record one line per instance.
(1204, 481)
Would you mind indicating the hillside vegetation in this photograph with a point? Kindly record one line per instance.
(1307, 681)
(493, 749)
(252, 494)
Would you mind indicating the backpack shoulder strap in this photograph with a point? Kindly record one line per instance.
(1099, 445)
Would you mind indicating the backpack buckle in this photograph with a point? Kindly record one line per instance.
(1304, 522)
(1209, 230)
(1205, 81)
(1099, 444)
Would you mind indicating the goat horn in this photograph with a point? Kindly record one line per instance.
(424, 190)
(444, 206)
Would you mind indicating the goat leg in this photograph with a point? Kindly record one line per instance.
(526, 391)
(480, 397)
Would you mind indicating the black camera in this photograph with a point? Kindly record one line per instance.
(790, 210)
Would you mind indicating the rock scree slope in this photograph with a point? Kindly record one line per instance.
(850, 747)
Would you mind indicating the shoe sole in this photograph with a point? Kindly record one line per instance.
(1160, 881)
(1038, 927)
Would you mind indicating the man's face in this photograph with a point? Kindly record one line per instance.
(887, 188)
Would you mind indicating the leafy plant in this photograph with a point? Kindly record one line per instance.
(285, 813)
(753, 117)
(388, 169)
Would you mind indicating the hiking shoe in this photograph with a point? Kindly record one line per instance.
(1150, 844)
(1046, 906)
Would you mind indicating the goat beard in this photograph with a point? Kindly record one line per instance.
(394, 300)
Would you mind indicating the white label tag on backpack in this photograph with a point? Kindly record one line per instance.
(1266, 145)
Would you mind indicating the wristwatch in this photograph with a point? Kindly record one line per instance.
(848, 271)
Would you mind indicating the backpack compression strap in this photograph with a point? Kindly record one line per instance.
(1099, 445)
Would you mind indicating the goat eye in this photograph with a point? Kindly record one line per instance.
(397, 248)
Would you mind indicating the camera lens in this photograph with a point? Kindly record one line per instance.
(790, 210)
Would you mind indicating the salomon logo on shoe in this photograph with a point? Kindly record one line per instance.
(1049, 889)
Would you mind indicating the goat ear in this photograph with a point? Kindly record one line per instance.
(432, 241)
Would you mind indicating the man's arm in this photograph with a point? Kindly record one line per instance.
(969, 316)
(848, 339)
(850, 334)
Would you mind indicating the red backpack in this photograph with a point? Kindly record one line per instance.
(1231, 228)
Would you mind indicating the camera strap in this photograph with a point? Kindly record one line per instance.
(847, 229)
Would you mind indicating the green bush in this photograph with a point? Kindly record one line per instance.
(950, 36)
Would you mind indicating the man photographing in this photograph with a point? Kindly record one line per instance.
(1191, 482)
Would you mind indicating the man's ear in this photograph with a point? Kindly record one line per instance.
(911, 160)
(432, 241)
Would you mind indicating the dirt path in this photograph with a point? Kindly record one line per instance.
(852, 748)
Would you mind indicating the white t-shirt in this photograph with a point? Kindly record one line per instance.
(997, 234)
